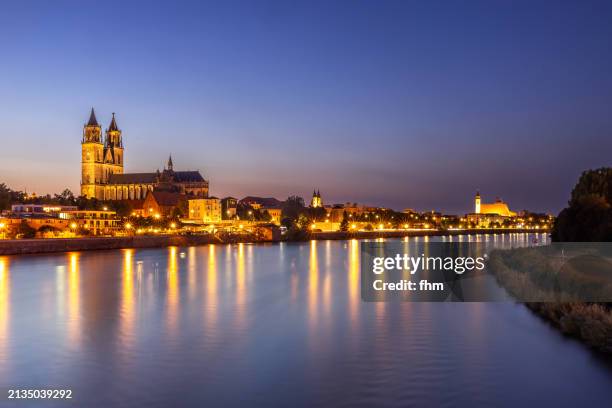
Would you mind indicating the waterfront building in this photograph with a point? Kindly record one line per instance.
(205, 210)
(44, 209)
(275, 214)
(66, 223)
(102, 169)
(164, 204)
(336, 212)
(499, 207)
(258, 203)
(228, 208)
(487, 214)
(95, 222)
(42, 226)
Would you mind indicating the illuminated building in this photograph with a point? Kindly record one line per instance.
(163, 204)
(486, 214)
(275, 214)
(35, 209)
(316, 201)
(228, 207)
(206, 210)
(498, 207)
(102, 162)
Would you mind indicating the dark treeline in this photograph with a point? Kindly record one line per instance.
(66, 197)
(9, 196)
(588, 216)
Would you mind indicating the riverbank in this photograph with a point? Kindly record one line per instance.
(339, 235)
(39, 246)
(529, 276)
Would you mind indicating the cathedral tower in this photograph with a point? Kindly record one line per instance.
(316, 201)
(477, 203)
(113, 151)
(92, 151)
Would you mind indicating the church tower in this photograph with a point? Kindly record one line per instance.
(113, 151)
(477, 203)
(316, 201)
(92, 151)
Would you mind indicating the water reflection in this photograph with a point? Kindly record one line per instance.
(172, 291)
(211, 290)
(74, 300)
(192, 272)
(127, 298)
(354, 296)
(327, 281)
(313, 283)
(240, 286)
(283, 324)
(5, 304)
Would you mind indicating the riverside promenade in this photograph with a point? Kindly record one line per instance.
(48, 245)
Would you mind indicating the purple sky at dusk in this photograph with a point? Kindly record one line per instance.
(399, 104)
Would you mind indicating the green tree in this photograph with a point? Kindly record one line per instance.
(292, 208)
(344, 224)
(264, 216)
(85, 203)
(588, 217)
(65, 198)
(25, 231)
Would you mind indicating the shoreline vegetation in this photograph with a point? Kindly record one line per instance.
(41, 246)
(549, 286)
(528, 274)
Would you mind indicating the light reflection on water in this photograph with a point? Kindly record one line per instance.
(283, 324)
(4, 311)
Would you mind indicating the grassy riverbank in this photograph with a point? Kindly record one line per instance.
(533, 276)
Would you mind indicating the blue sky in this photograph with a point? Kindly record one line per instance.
(402, 104)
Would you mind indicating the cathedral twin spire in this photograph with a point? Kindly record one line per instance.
(92, 119)
(93, 131)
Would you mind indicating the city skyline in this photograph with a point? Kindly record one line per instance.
(389, 104)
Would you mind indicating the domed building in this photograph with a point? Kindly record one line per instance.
(498, 207)
(486, 214)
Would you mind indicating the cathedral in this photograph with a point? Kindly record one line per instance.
(102, 176)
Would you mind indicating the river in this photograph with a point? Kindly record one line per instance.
(271, 325)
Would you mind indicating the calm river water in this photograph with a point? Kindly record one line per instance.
(270, 325)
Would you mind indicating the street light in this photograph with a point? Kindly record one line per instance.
(128, 226)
